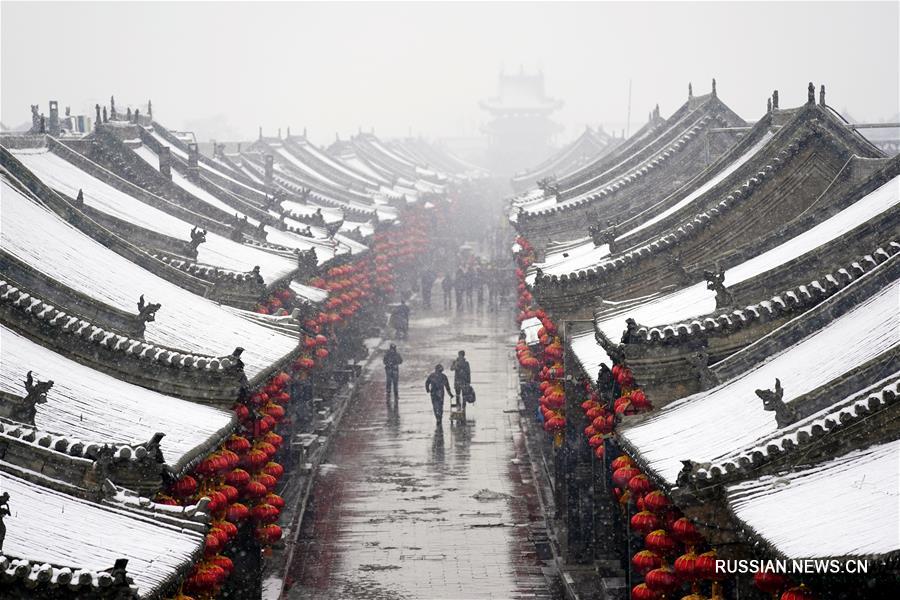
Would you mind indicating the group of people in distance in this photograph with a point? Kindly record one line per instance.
(467, 285)
(435, 384)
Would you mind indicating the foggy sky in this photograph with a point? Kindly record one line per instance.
(226, 68)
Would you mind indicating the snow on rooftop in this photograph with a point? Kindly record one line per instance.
(308, 292)
(843, 507)
(219, 251)
(731, 416)
(589, 353)
(192, 188)
(708, 185)
(696, 300)
(293, 160)
(337, 166)
(91, 406)
(46, 526)
(187, 322)
(330, 214)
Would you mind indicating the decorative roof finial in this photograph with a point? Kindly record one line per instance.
(768, 105)
(150, 108)
(260, 132)
(279, 133)
(304, 131)
(775, 100)
(822, 95)
(289, 131)
(656, 110)
(811, 93)
(690, 91)
(714, 87)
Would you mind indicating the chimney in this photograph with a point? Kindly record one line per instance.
(193, 160)
(54, 118)
(165, 162)
(270, 171)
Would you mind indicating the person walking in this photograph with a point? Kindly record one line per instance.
(479, 285)
(447, 286)
(427, 283)
(400, 320)
(460, 284)
(392, 361)
(435, 385)
(462, 372)
(470, 286)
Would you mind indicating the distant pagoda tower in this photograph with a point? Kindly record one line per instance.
(520, 131)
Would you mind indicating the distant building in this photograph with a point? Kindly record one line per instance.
(520, 131)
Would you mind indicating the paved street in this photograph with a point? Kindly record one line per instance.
(404, 510)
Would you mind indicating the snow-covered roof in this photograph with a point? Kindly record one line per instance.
(218, 250)
(844, 507)
(90, 406)
(46, 526)
(690, 198)
(187, 322)
(697, 300)
(731, 416)
(147, 153)
(308, 292)
(588, 352)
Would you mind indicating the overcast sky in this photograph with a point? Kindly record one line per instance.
(226, 68)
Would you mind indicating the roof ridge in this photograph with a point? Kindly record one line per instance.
(32, 306)
(785, 302)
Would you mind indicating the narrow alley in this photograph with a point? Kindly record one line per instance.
(403, 509)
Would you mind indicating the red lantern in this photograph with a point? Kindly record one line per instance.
(237, 512)
(642, 592)
(256, 458)
(770, 582)
(686, 532)
(656, 501)
(238, 443)
(274, 469)
(644, 522)
(274, 439)
(640, 484)
(801, 592)
(238, 478)
(275, 500)
(661, 580)
(621, 461)
(255, 489)
(268, 534)
(599, 452)
(213, 544)
(264, 513)
(185, 487)
(223, 562)
(231, 493)
(646, 560)
(706, 566)
(686, 566)
(622, 476)
(660, 542)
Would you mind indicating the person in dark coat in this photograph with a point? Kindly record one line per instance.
(392, 361)
(470, 286)
(460, 285)
(435, 385)
(447, 286)
(400, 320)
(462, 372)
(479, 281)
(427, 283)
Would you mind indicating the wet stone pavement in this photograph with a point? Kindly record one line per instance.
(402, 509)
